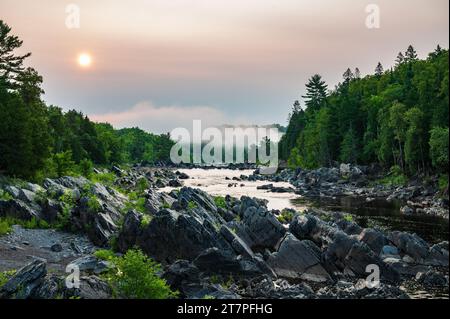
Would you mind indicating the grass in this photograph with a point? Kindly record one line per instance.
(103, 178)
(6, 224)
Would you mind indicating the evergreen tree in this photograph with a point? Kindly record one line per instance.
(379, 69)
(410, 54)
(400, 59)
(316, 93)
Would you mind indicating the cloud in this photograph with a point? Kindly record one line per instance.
(161, 119)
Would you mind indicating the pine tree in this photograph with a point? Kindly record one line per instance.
(316, 93)
(379, 69)
(400, 59)
(357, 73)
(348, 75)
(11, 65)
(410, 54)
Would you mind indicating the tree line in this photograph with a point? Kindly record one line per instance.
(396, 117)
(39, 140)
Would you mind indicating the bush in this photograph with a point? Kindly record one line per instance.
(5, 227)
(135, 277)
(395, 177)
(5, 276)
(104, 178)
(86, 168)
(220, 202)
(4, 195)
(104, 254)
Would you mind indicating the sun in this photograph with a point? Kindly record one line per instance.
(84, 60)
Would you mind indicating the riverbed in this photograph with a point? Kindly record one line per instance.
(378, 213)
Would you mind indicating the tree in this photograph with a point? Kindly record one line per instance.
(316, 93)
(348, 75)
(349, 148)
(379, 69)
(414, 143)
(398, 124)
(357, 73)
(410, 54)
(400, 59)
(439, 140)
(11, 65)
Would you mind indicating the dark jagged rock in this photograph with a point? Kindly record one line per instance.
(25, 281)
(297, 259)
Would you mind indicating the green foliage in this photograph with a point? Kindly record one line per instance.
(33, 223)
(146, 219)
(439, 140)
(63, 163)
(220, 202)
(192, 205)
(103, 178)
(136, 277)
(104, 254)
(86, 167)
(4, 195)
(5, 226)
(93, 204)
(396, 117)
(286, 216)
(443, 183)
(395, 177)
(5, 276)
(348, 217)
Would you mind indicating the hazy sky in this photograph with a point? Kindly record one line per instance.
(158, 64)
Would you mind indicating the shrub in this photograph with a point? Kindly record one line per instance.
(192, 205)
(395, 177)
(135, 276)
(104, 178)
(5, 227)
(146, 219)
(104, 254)
(286, 216)
(5, 276)
(4, 195)
(220, 202)
(86, 167)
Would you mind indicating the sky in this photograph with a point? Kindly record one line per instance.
(160, 64)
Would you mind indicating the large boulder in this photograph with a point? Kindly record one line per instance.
(262, 227)
(297, 259)
(410, 244)
(172, 235)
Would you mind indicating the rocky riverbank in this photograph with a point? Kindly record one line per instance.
(208, 247)
(420, 196)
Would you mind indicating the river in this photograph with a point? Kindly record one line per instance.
(379, 213)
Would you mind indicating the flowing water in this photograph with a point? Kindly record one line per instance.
(379, 212)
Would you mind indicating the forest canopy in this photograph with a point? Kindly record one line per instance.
(396, 117)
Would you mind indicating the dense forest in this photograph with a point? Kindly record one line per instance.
(397, 118)
(37, 140)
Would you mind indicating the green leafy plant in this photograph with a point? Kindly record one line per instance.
(135, 276)
(192, 205)
(220, 202)
(4, 195)
(5, 276)
(104, 254)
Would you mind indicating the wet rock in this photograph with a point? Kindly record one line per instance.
(432, 278)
